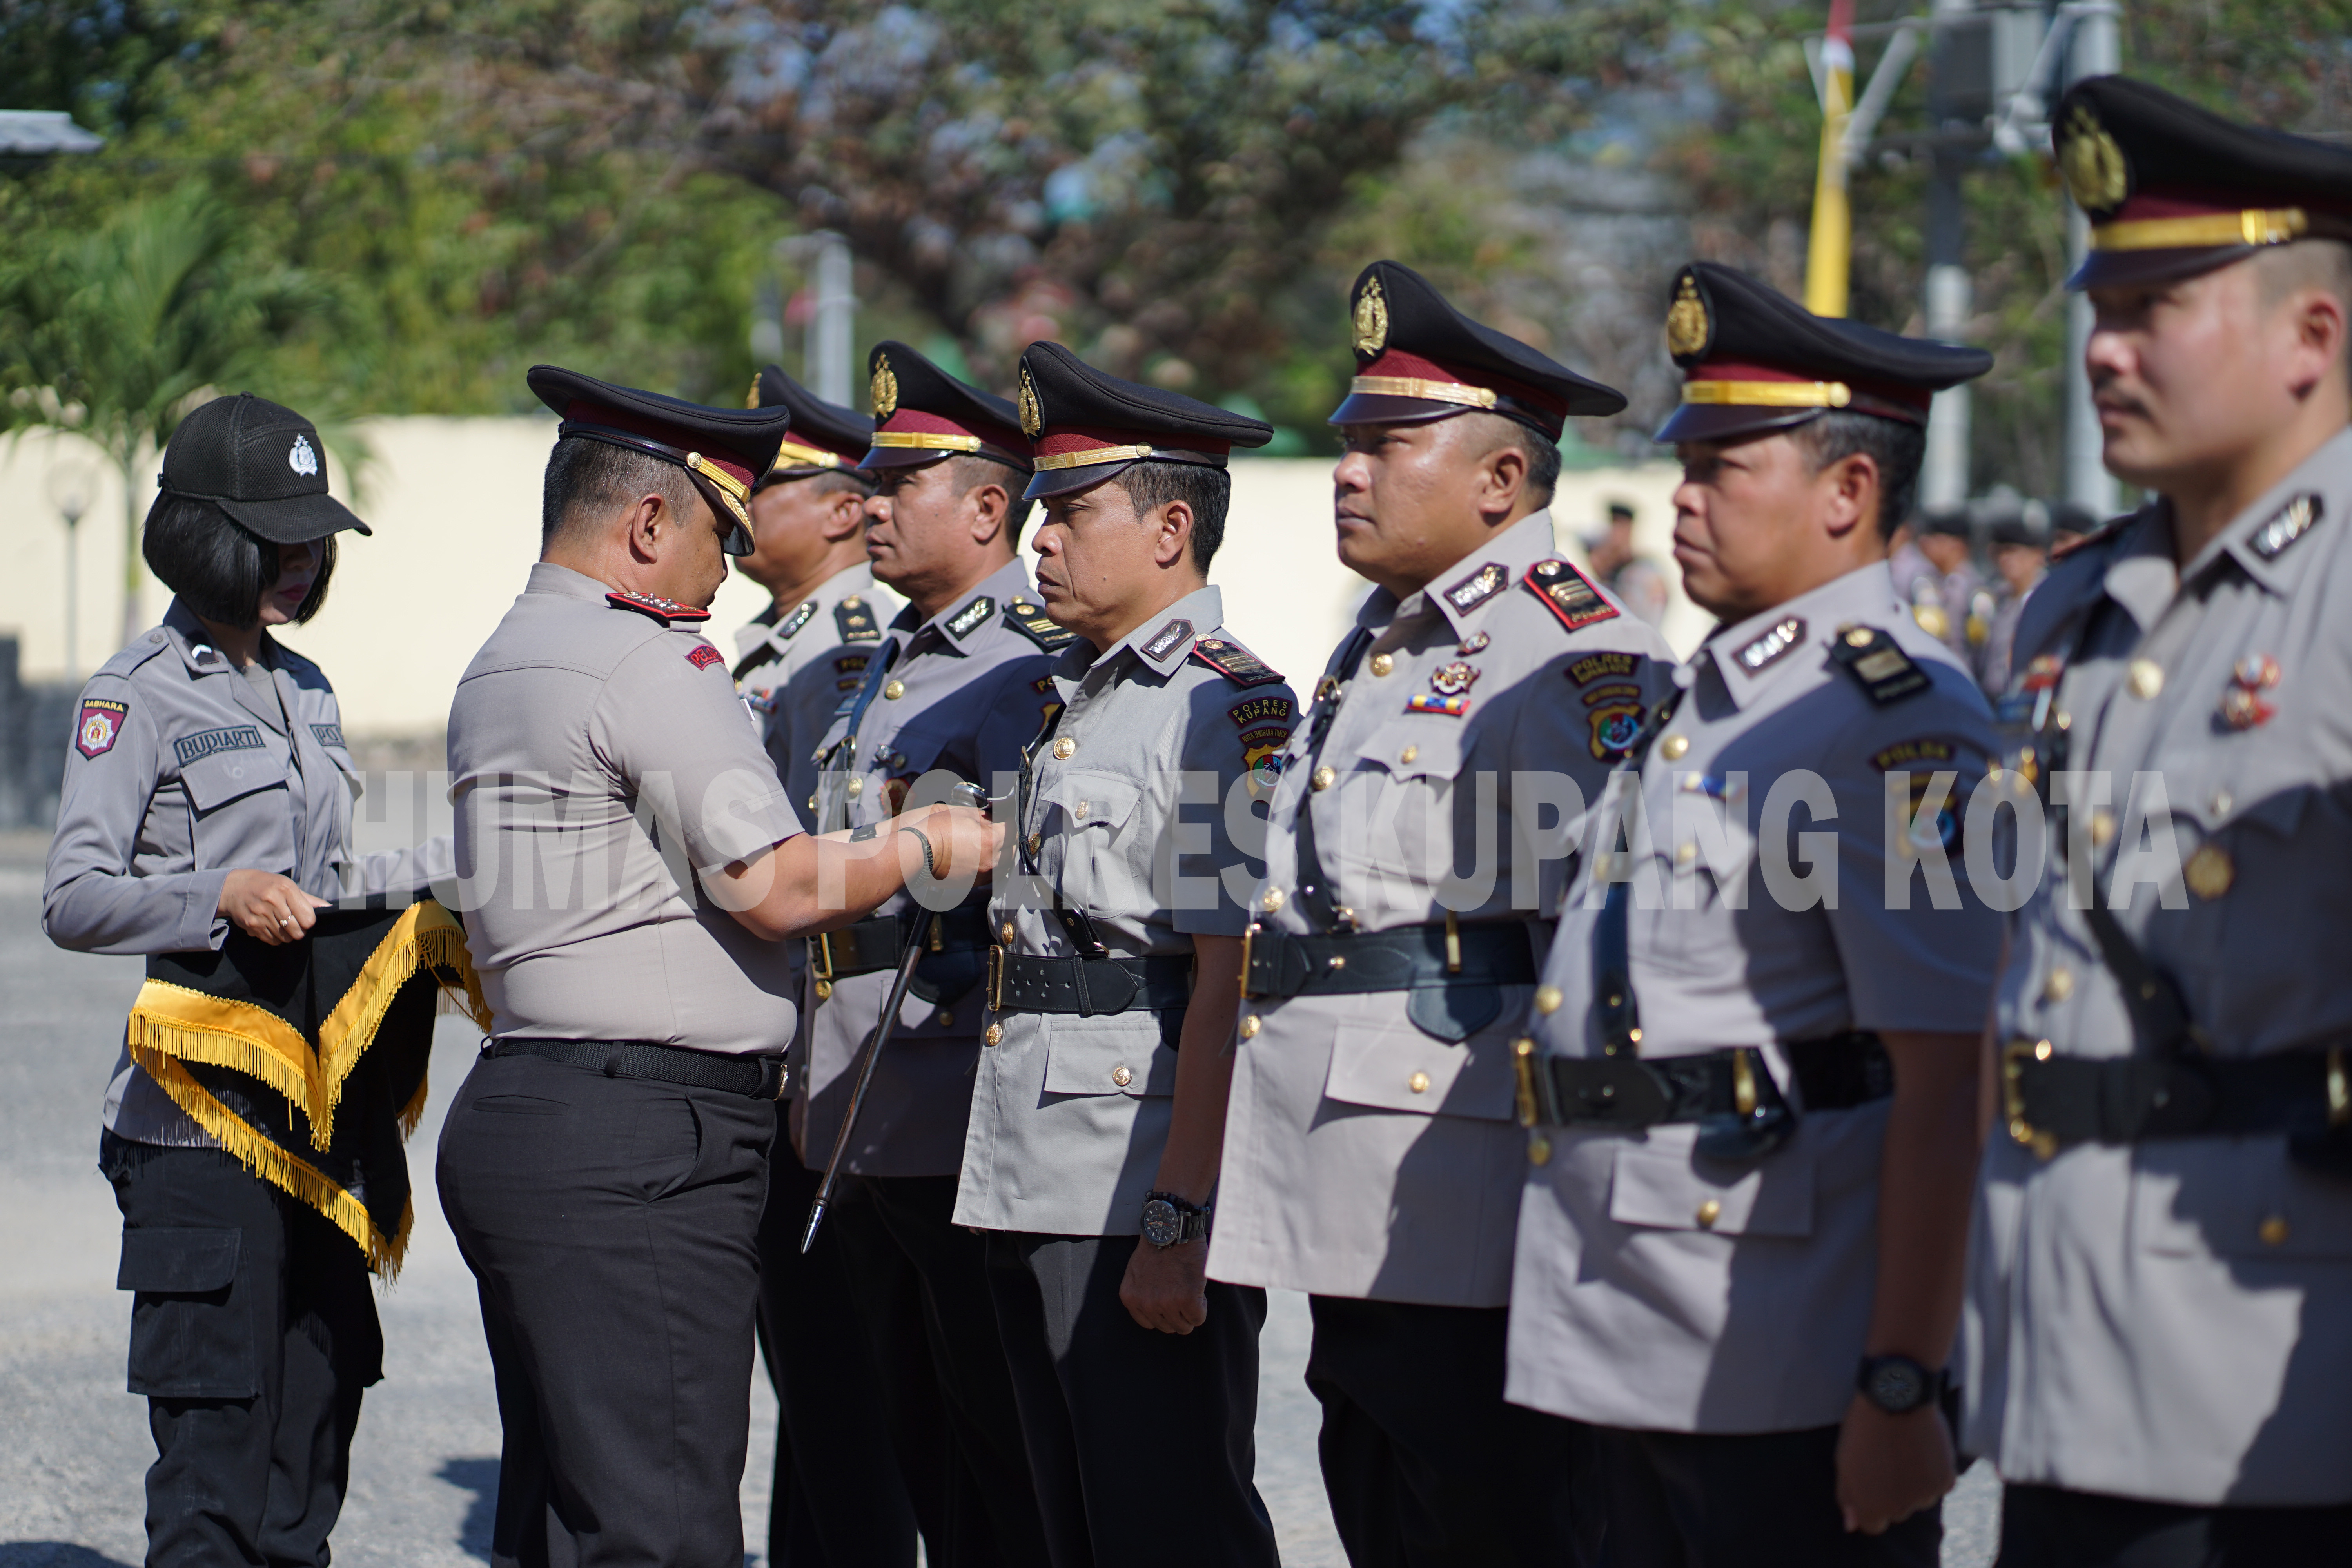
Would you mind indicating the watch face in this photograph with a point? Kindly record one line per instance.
(1896, 1387)
(1162, 1225)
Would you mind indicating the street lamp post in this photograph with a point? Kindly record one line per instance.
(69, 487)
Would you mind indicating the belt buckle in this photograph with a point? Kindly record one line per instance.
(821, 963)
(995, 977)
(2013, 1057)
(1523, 1066)
(1249, 938)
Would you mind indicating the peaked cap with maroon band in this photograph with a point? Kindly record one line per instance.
(723, 449)
(2173, 190)
(1755, 360)
(824, 437)
(1088, 427)
(1419, 358)
(923, 414)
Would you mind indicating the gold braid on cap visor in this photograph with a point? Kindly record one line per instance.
(1770, 393)
(1427, 391)
(733, 491)
(1088, 458)
(792, 455)
(927, 440)
(2274, 226)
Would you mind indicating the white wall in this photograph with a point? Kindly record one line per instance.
(454, 506)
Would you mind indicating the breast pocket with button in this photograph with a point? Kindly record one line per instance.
(1093, 813)
(241, 816)
(1400, 1068)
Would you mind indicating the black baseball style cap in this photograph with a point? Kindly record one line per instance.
(824, 437)
(1087, 426)
(723, 449)
(261, 463)
(1419, 358)
(1754, 360)
(923, 414)
(2173, 190)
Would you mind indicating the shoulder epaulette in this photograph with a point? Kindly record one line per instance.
(789, 626)
(129, 658)
(1568, 594)
(2099, 535)
(854, 622)
(1032, 622)
(1885, 671)
(654, 606)
(1235, 662)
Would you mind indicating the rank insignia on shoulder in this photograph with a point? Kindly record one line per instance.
(100, 725)
(1035, 624)
(702, 656)
(853, 622)
(1235, 662)
(1777, 640)
(1260, 711)
(1168, 638)
(1599, 666)
(1885, 671)
(1478, 587)
(1568, 594)
(1453, 707)
(970, 619)
(2292, 521)
(660, 609)
(789, 627)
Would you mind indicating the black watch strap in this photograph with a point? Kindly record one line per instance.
(1192, 1220)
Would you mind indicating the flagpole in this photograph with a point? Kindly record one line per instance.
(1830, 252)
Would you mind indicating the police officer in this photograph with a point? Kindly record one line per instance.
(1753, 1058)
(208, 789)
(954, 689)
(1371, 1157)
(2019, 533)
(799, 658)
(2157, 1317)
(633, 863)
(1092, 1152)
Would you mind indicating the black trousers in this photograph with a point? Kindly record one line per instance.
(842, 1496)
(252, 1333)
(1681, 1499)
(2045, 1527)
(901, 1241)
(611, 1225)
(1143, 1444)
(1426, 1466)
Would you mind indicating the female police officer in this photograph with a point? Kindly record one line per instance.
(207, 788)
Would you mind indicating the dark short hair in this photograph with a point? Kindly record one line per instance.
(588, 475)
(971, 472)
(824, 482)
(1208, 491)
(1542, 455)
(1897, 446)
(216, 566)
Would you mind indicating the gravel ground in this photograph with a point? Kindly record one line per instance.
(73, 1445)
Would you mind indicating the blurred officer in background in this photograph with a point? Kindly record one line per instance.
(2020, 532)
(1371, 1157)
(1637, 583)
(1753, 1108)
(2161, 1312)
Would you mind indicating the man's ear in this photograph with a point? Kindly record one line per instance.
(843, 517)
(1171, 539)
(650, 524)
(2319, 339)
(1503, 474)
(990, 506)
(1849, 492)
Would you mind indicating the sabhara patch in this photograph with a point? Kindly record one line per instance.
(1906, 755)
(1595, 667)
(1261, 709)
(702, 656)
(99, 726)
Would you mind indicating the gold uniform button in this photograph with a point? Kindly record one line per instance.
(1685, 852)
(1325, 776)
(994, 1034)
(1036, 842)
(2222, 801)
(1418, 1083)
(1064, 748)
(1538, 1150)
(2146, 678)
(856, 788)
(812, 803)
(946, 1020)
(895, 691)
(1005, 931)
(2274, 1230)
(1270, 901)
(1673, 747)
(1408, 754)
(825, 990)
(2209, 872)
(1708, 1213)
(1548, 1000)
(2059, 987)
(1250, 1027)
(1080, 813)
(1383, 664)
(1121, 1076)
(2103, 825)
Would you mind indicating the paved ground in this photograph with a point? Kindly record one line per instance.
(73, 1445)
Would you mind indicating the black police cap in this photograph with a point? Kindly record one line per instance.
(923, 414)
(1755, 360)
(2173, 190)
(1087, 426)
(724, 449)
(824, 437)
(1418, 359)
(261, 463)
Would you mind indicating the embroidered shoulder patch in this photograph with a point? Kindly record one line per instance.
(1616, 719)
(853, 622)
(328, 734)
(1168, 638)
(1478, 587)
(203, 743)
(100, 725)
(1598, 666)
(702, 656)
(1235, 662)
(1033, 623)
(1042, 685)
(1778, 639)
(1260, 711)
(852, 663)
(2293, 520)
(1568, 594)
(1904, 755)
(658, 609)
(968, 619)
(789, 626)
(1885, 671)
(1264, 746)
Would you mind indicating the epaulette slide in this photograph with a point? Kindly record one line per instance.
(1235, 662)
(665, 611)
(1885, 671)
(1568, 593)
(1033, 623)
(853, 622)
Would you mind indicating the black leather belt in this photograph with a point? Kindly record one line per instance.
(2049, 1099)
(1020, 983)
(875, 943)
(1835, 1072)
(1440, 953)
(755, 1078)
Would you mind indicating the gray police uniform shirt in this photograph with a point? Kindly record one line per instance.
(184, 768)
(795, 667)
(961, 694)
(1655, 1290)
(1363, 1156)
(2166, 1319)
(600, 763)
(1069, 1114)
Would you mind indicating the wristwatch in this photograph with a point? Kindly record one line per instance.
(1169, 1221)
(1898, 1385)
